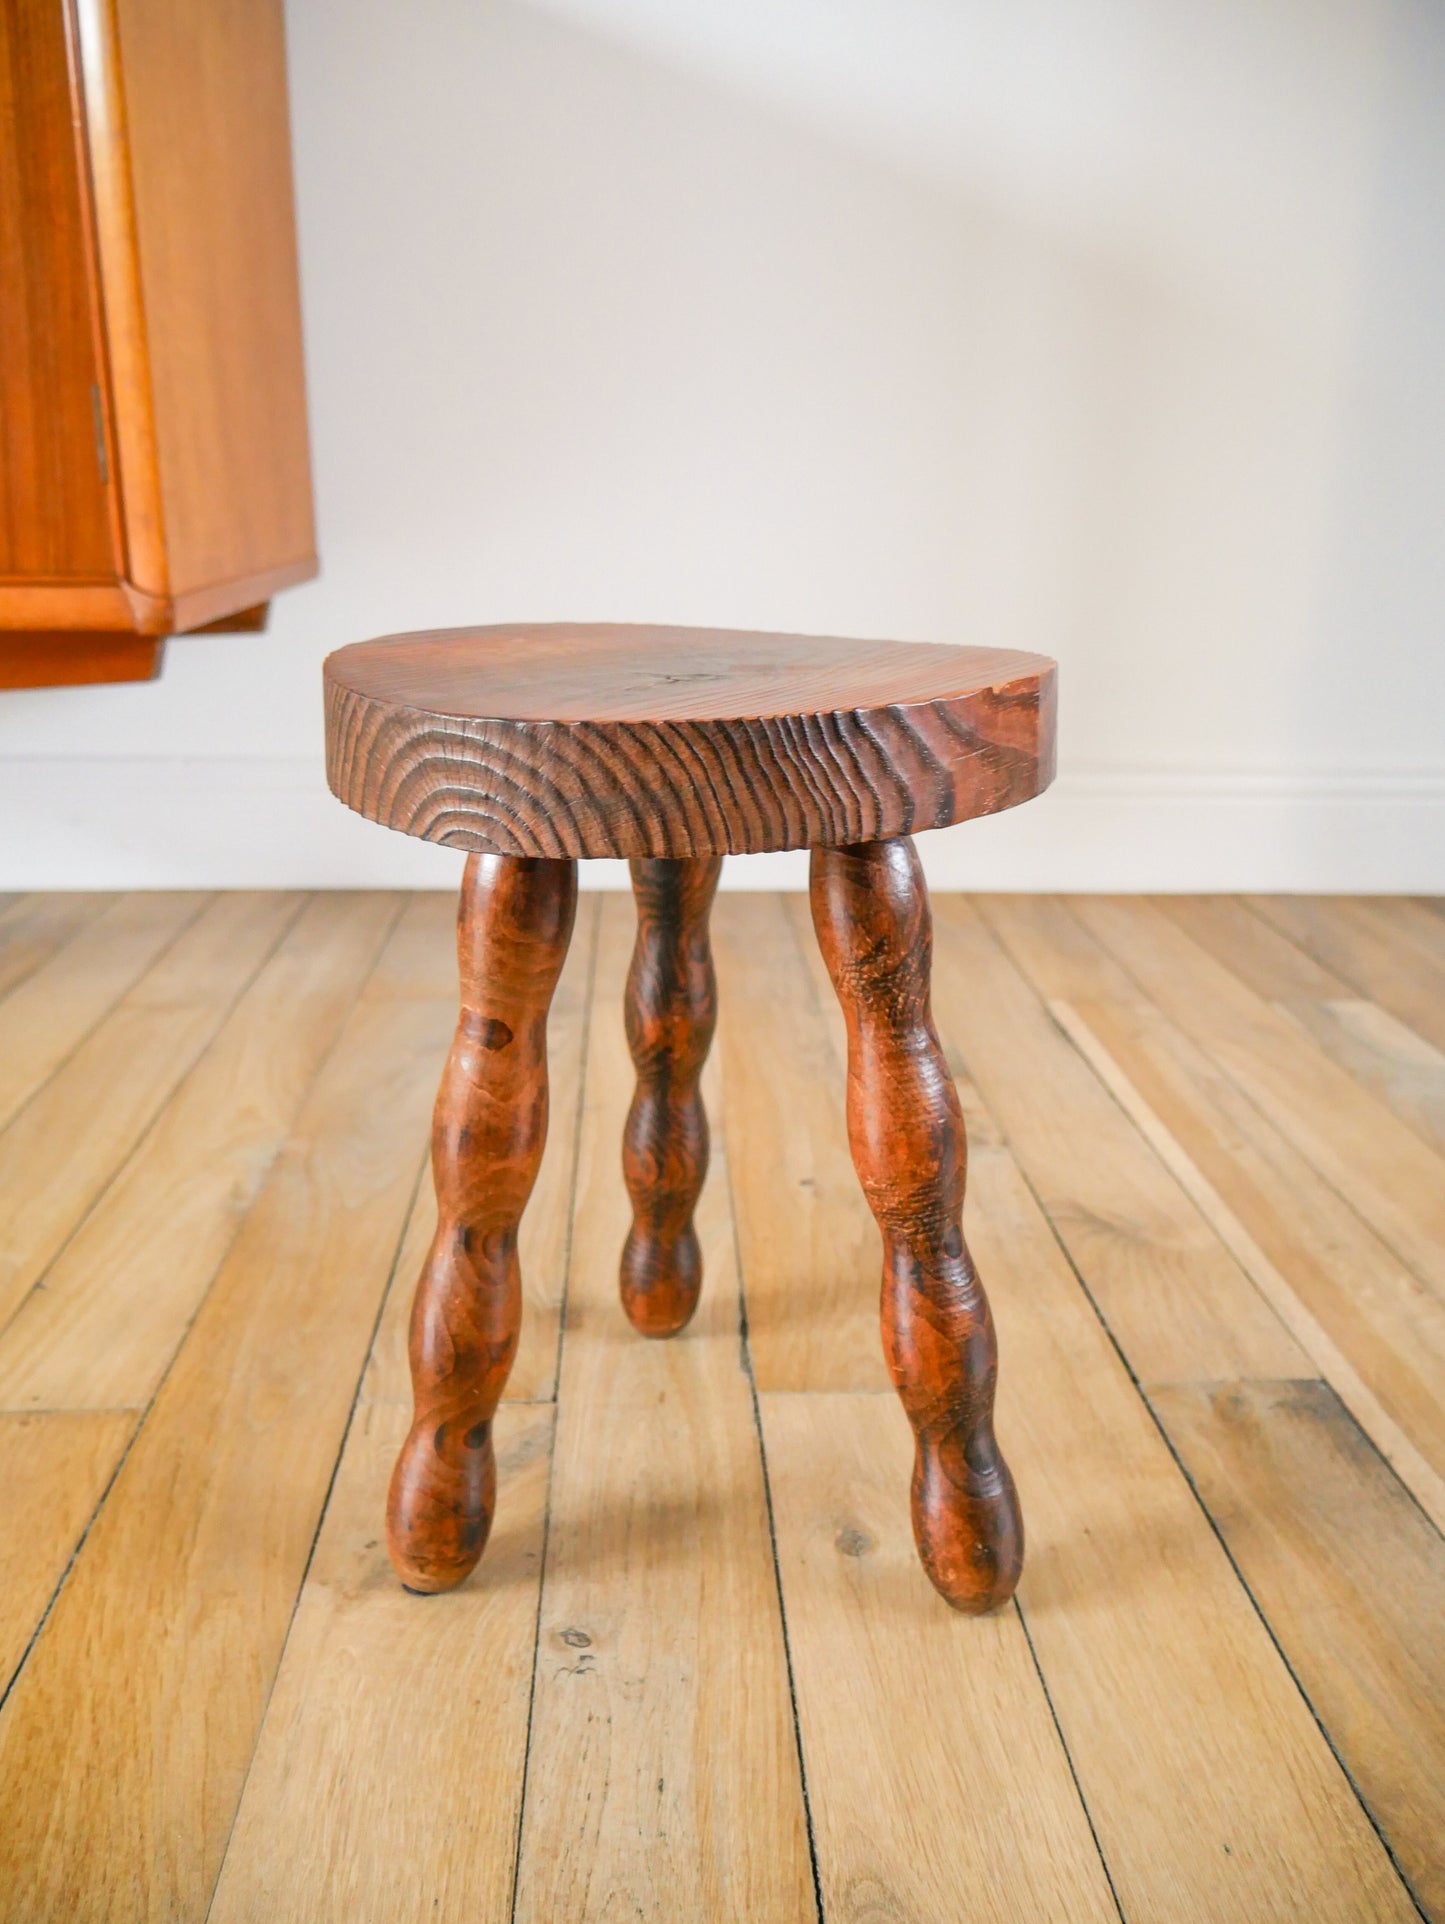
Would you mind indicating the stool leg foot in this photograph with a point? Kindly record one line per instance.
(905, 1126)
(488, 1130)
(671, 1012)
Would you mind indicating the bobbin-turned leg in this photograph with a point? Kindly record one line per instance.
(905, 1126)
(488, 1129)
(671, 1012)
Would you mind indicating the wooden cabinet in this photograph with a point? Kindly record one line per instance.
(154, 466)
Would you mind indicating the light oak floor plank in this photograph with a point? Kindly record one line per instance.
(1178, 1303)
(1392, 952)
(545, 1236)
(59, 1003)
(663, 1775)
(419, 962)
(118, 1299)
(126, 1738)
(1250, 946)
(56, 1468)
(67, 1144)
(809, 1247)
(1385, 1056)
(1377, 1164)
(1361, 1317)
(1418, 919)
(1381, 1052)
(387, 1783)
(34, 927)
(1211, 1789)
(1371, 1329)
(1352, 1579)
(939, 1787)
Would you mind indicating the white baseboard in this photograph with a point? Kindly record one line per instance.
(128, 822)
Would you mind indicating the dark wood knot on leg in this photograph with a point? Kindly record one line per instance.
(671, 1013)
(488, 1132)
(905, 1126)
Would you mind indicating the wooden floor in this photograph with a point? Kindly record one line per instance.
(699, 1673)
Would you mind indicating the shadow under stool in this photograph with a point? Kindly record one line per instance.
(534, 746)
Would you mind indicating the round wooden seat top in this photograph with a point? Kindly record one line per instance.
(563, 740)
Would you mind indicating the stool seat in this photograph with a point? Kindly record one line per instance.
(566, 740)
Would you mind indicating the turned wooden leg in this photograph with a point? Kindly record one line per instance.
(671, 1013)
(488, 1130)
(870, 908)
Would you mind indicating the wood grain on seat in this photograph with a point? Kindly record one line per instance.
(568, 740)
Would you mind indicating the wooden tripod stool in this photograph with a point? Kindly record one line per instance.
(673, 747)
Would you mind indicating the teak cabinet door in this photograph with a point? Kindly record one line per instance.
(55, 512)
(156, 466)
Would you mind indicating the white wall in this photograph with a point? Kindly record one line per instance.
(1111, 328)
